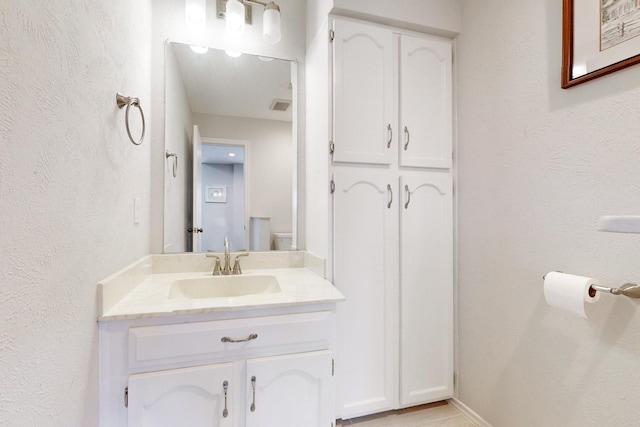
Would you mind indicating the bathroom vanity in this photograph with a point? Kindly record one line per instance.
(174, 353)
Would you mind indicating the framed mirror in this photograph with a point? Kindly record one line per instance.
(230, 151)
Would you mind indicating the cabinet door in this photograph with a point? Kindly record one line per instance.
(365, 254)
(425, 102)
(363, 105)
(426, 354)
(291, 390)
(182, 397)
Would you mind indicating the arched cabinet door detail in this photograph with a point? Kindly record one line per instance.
(192, 397)
(294, 390)
(365, 219)
(425, 103)
(363, 111)
(426, 271)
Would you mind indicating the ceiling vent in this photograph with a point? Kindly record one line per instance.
(280, 105)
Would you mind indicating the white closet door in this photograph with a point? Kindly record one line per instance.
(425, 102)
(291, 390)
(426, 271)
(191, 397)
(365, 217)
(363, 94)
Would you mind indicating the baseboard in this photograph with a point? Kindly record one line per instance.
(469, 413)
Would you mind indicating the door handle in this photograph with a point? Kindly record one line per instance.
(195, 230)
(390, 196)
(390, 133)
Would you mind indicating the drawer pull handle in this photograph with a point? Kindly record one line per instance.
(253, 386)
(390, 133)
(225, 412)
(249, 338)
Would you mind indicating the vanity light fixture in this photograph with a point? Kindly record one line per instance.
(195, 14)
(234, 17)
(237, 14)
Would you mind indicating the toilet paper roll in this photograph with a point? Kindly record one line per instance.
(568, 292)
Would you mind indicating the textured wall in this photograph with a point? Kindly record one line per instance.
(68, 176)
(537, 166)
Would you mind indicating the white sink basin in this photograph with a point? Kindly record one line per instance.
(223, 286)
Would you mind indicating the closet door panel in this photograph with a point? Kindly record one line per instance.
(363, 105)
(425, 102)
(426, 271)
(365, 271)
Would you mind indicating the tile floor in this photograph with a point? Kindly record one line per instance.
(439, 414)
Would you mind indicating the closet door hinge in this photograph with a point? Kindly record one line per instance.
(332, 35)
(332, 186)
(332, 147)
(126, 397)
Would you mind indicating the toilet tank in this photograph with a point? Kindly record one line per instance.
(282, 241)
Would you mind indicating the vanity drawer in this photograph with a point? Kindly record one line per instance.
(185, 342)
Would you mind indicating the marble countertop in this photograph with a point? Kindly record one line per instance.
(150, 297)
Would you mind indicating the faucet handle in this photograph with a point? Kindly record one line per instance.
(216, 267)
(236, 264)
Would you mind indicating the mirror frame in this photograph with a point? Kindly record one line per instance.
(295, 79)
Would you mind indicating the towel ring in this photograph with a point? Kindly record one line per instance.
(122, 100)
(168, 154)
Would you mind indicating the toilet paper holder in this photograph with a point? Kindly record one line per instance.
(631, 290)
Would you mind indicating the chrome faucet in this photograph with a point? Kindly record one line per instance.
(226, 269)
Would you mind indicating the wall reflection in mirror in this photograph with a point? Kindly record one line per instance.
(229, 122)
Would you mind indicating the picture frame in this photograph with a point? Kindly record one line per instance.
(215, 194)
(598, 38)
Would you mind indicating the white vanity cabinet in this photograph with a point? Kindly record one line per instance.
(194, 397)
(391, 93)
(229, 370)
(392, 216)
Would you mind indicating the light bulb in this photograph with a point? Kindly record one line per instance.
(235, 18)
(199, 49)
(195, 14)
(271, 23)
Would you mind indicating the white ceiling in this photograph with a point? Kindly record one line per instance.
(246, 86)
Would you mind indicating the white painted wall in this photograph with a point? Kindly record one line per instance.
(270, 162)
(537, 166)
(178, 133)
(68, 177)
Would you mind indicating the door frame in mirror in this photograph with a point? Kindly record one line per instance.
(246, 172)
